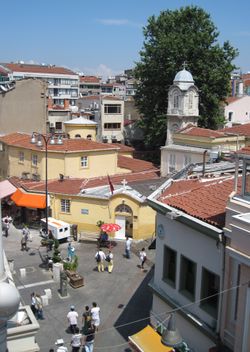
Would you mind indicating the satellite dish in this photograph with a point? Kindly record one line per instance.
(3, 88)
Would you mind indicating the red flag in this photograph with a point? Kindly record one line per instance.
(110, 185)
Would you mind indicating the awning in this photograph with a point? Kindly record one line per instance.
(28, 200)
(148, 340)
(6, 188)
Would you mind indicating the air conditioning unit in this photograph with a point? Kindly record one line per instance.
(52, 124)
(36, 177)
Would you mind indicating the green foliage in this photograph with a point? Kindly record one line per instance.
(72, 266)
(56, 255)
(174, 37)
(99, 223)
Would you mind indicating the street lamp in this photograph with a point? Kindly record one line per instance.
(40, 140)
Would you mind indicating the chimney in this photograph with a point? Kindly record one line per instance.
(66, 104)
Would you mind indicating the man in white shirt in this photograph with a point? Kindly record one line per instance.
(100, 258)
(95, 315)
(61, 347)
(72, 319)
(128, 247)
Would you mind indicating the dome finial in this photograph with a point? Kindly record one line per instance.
(184, 65)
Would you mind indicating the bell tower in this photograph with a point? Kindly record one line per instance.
(183, 104)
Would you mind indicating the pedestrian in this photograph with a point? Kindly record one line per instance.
(86, 319)
(143, 257)
(72, 319)
(6, 224)
(110, 260)
(39, 307)
(76, 340)
(33, 305)
(128, 247)
(61, 347)
(95, 315)
(50, 241)
(89, 338)
(100, 258)
(24, 241)
(71, 252)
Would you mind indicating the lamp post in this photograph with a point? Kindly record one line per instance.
(43, 140)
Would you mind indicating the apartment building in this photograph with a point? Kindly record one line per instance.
(63, 84)
(90, 85)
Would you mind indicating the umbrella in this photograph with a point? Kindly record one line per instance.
(110, 227)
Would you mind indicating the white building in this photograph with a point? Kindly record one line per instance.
(237, 110)
(112, 119)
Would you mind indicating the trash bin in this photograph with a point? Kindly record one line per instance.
(74, 232)
(63, 284)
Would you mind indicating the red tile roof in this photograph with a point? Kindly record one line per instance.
(243, 129)
(135, 165)
(245, 150)
(50, 69)
(201, 132)
(74, 186)
(230, 100)
(205, 200)
(123, 147)
(69, 145)
(90, 79)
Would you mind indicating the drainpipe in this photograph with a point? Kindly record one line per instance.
(204, 163)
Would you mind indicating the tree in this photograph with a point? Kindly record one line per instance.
(174, 37)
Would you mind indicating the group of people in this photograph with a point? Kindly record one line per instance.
(90, 324)
(101, 257)
(37, 305)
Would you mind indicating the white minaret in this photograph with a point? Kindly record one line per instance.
(183, 104)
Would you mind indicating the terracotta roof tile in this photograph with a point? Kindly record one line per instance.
(90, 79)
(74, 186)
(69, 145)
(205, 200)
(245, 150)
(135, 165)
(201, 132)
(230, 100)
(39, 69)
(243, 129)
(123, 147)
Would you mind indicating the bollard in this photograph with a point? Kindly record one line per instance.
(45, 300)
(57, 268)
(48, 292)
(23, 272)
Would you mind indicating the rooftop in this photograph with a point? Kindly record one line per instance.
(135, 165)
(90, 79)
(46, 69)
(80, 121)
(201, 132)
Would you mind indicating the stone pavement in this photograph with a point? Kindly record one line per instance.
(123, 296)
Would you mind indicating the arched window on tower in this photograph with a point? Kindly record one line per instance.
(190, 100)
(176, 100)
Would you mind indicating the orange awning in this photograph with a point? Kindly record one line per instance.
(28, 200)
(148, 340)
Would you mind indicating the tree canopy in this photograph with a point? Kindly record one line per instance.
(174, 37)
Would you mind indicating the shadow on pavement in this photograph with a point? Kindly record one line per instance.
(137, 310)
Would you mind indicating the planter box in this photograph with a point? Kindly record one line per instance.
(75, 279)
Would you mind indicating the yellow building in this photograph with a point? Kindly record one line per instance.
(78, 184)
(81, 127)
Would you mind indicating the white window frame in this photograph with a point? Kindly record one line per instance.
(84, 161)
(21, 157)
(34, 159)
(65, 205)
(176, 100)
(172, 163)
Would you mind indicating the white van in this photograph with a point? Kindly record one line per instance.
(60, 229)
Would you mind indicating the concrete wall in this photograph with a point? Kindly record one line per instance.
(24, 109)
(240, 109)
(82, 130)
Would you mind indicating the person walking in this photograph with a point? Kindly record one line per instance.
(86, 319)
(100, 258)
(128, 247)
(89, 338)
(61, 347)
(72, 317)
(25, 238)
(95, 315)
(39, 306)
(76, 340)
(6, 224)
(110, 260)
(143, 258)
(33, 305)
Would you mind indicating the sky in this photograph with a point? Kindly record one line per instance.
(103, 37)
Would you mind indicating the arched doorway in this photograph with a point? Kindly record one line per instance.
(124, 218)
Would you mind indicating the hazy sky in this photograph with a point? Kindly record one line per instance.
(103, 37)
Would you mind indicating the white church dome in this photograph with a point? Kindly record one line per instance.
(184, 76)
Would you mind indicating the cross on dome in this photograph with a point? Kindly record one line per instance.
(124, 182)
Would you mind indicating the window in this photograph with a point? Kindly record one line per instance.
(188, 278)
(34, 160)
(210, 285)
(112, 108)
(84, 161)
(187, 160)
(230, 115)
(112, 126)
(21, 157)
(176, 101)
(58, 125)
(65, 205)
(190, 101)
(171, 167)
(169, 266)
